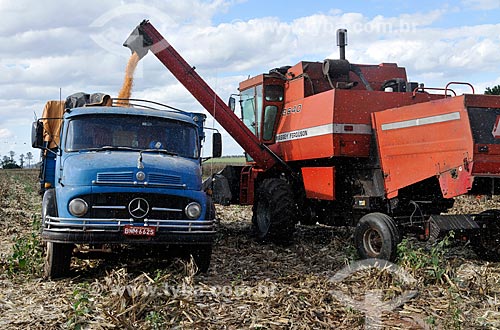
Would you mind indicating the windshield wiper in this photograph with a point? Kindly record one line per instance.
(164, 151)
(108, 148)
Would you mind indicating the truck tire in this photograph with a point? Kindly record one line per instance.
(377, 236)
(49, 205)
(202, 255)
(275, 212)
(487, 243)
(57, 255)
(57, 259)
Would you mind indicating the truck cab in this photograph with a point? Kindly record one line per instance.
(114, 175)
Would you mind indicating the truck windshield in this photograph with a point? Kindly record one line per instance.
(131, 132)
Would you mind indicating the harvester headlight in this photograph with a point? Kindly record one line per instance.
(193, 210)
(78, 207)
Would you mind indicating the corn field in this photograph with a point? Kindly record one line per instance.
(249, 286)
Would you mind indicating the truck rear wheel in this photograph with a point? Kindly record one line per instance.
(57, 259)
(274, 213)
(376, 236)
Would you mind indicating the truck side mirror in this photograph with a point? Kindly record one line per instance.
(232, 103)
(37, 134)
(216, 145)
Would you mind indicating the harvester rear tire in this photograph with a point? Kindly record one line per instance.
(274, 212)
(377, 236)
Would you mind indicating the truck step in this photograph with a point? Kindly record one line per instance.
(440, 225)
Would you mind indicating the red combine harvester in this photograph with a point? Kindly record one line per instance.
(352, 144)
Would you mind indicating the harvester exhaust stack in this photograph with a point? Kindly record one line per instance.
(138, 41)
(342, 42)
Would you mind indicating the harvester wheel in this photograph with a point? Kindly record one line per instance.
(487, 243)
(377, 236)
(275, 211)
(57, 259)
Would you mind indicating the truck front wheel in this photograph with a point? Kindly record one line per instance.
(202, 255)
(376, 236)
(57, 259)
(275, 211)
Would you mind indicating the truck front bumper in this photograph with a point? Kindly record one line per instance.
(111, 231)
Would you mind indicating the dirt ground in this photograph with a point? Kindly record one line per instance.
(249, 286)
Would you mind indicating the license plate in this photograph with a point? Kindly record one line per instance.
(139, 231)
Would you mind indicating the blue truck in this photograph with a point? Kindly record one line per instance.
(127, 175)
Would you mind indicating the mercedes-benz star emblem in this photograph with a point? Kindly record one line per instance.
(138, 208)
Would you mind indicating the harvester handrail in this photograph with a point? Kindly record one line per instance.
(459, 83)
(422, 89)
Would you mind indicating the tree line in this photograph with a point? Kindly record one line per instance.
(9, 162)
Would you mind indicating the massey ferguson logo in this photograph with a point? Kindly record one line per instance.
(496, 128)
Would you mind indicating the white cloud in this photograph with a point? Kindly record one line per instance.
(52, 45)
(482, 4)
(5, 133)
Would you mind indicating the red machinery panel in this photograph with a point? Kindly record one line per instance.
(335, 123)
(419, 141)
(484, 115)
(319, 182)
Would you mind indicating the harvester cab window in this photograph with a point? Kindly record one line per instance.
(251, 103)
(274, 93)
(270, 115)
(274, 96)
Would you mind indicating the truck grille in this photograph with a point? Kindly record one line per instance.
(127, 178)
(157, 178)
(116, 206)
(115, 177)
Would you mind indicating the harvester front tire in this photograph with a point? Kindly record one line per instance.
(377, 236)
(275, 212)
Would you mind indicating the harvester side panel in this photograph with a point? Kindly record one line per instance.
(420, 141)
(334, 123)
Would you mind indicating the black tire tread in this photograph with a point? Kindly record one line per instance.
(383, 221)
(278, 193)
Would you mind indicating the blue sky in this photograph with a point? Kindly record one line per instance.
(76, 46)
(455, 13)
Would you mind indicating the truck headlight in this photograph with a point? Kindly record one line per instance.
(193, 210)
(78, 207)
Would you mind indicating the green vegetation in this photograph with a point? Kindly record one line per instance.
(20, 206)
(429, 264)
(495, 90)
(27, 255)
(215, 165)
(80, 307)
